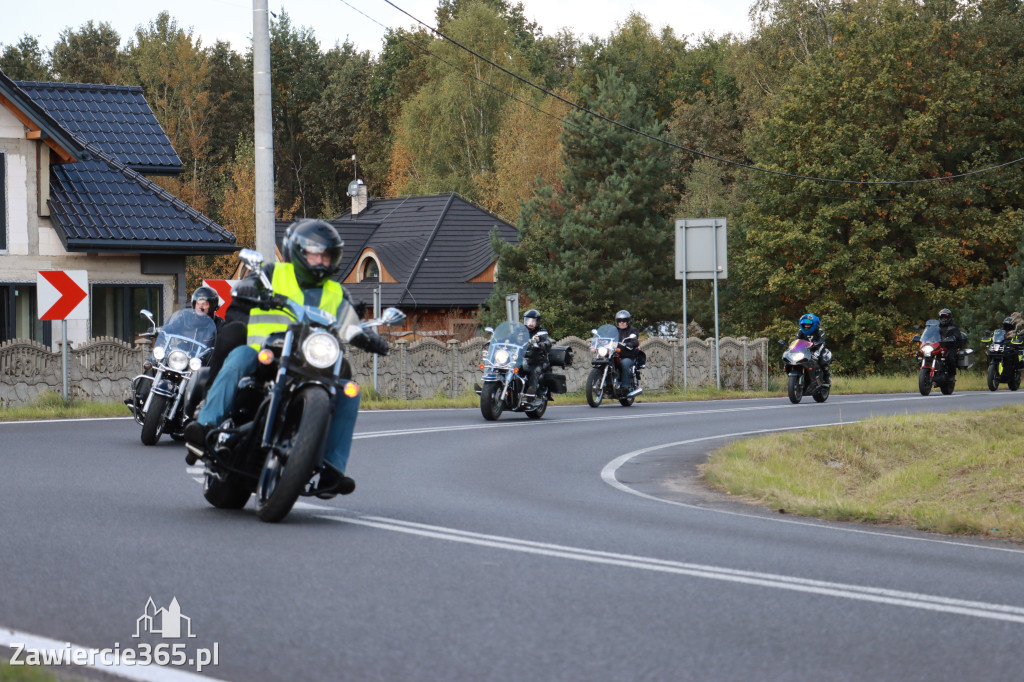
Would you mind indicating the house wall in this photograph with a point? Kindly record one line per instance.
(33, 244)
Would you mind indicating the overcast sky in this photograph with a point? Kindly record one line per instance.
(333, 21)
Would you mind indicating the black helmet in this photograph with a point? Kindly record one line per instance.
(623, 315)
(945, 316)
(1009, 324)
(205, 293)
(313, 237)
(532, 314)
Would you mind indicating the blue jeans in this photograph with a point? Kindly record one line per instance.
(240, 363)
(626, 379)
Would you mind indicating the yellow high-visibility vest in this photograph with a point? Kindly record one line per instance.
(263, 323)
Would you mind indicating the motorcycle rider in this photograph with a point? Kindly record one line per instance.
(809, 329)
(536, 354)
(629, 337)
(205, 301)
(313, 251)
(949, 328)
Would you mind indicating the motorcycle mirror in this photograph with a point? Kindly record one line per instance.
(594, 332)
(783, 343)
(489, 330)
(917, 337)
(917, 326)
(392, 316)
(253, 259)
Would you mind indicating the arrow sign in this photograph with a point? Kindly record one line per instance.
(223, 288)
(62, 295)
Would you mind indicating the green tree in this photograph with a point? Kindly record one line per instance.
(25, 60)
(600, 238)
(92, 54)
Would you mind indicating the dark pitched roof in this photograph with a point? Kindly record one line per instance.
(103, 205)
(116, 119)
(431, 244)
(36, 117)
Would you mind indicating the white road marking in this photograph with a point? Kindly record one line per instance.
(913, 600)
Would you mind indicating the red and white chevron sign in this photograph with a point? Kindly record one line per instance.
(223, 288)
(62, 294)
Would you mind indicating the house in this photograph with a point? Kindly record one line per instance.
(75, 195)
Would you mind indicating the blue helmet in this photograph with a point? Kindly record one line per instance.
(809, 324)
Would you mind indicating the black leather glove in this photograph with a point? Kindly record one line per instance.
(373, 343)
(245, 289)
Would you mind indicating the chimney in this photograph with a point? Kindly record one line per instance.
(360, 197)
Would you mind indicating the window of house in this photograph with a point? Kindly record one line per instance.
(115, 309)
(3, 201)
(19, 316)
(371, 271)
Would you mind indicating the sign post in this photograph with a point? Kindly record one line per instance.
(701, 253)
(512, 307)
(63, 295)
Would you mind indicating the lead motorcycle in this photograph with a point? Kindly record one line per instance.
(805, 375)
(158, 395)
(1005, 358)
(607, 368)
(505, 377)
(273, 443)
(933, 355)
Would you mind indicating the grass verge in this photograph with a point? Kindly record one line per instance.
(957, 472)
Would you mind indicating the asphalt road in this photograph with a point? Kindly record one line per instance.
(576, 547)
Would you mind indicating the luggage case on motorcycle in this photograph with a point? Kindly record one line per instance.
(965, 358)
(554, 382)
(560, 356)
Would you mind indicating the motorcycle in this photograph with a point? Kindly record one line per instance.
(1005, 358)
(273, 442)
(504, 375)
(805, 375)
(607, 368)
(157, 400)
(934, 354)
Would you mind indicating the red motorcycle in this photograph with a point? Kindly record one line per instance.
(934, 355)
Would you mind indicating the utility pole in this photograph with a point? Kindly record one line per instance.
(263, 131)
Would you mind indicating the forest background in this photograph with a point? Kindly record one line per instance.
(867, 154)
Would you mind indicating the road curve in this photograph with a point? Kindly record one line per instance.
(576, 547)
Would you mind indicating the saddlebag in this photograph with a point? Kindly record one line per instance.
(560, 356)
(965, 358)
(554, 382)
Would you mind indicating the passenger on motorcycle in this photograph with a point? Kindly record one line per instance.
(947, 328)
(630, 340)
(810, 330)
(313, 251)
(536, 354)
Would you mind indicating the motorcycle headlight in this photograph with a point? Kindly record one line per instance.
(159, 352)
(603, 351)
(501, 356)
(321, 349)
(194, 364)
(996, 348)
(927, 351)
(177, 360)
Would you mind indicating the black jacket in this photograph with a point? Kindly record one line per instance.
(952, 329)
(630, 345)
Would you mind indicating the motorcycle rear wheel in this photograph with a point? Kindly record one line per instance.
(627, 401)
(595, 387)
(154, 422)
(283, 478)
(796, 389)
(1014, 382)
(490, 401)
(821, 395)
(924, 381)
(993, 377)
(947, 388)
(539, 412)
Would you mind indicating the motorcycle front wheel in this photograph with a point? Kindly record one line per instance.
(490, 401)
(595, 387)
(796, 388)
(924, 381)
(290, 465)
(993, 377)
(154, 422)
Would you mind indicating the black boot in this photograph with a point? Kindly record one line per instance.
(195, 441)
(332, 482)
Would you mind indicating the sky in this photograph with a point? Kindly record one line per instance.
(333, 21)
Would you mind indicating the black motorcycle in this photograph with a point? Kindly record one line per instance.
(604, 378)
(505, 377)
(939, 358)
(1005, 358)
(182, 346)
(805, 374)
(273, 443)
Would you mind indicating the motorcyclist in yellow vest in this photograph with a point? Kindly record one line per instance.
(313, 251)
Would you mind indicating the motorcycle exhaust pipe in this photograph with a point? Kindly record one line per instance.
(634, 392)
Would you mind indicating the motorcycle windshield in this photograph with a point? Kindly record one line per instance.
(931, 332)
(187, 331)
(607, 337)
(799, 344)
(508, 345)
(999, 336)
